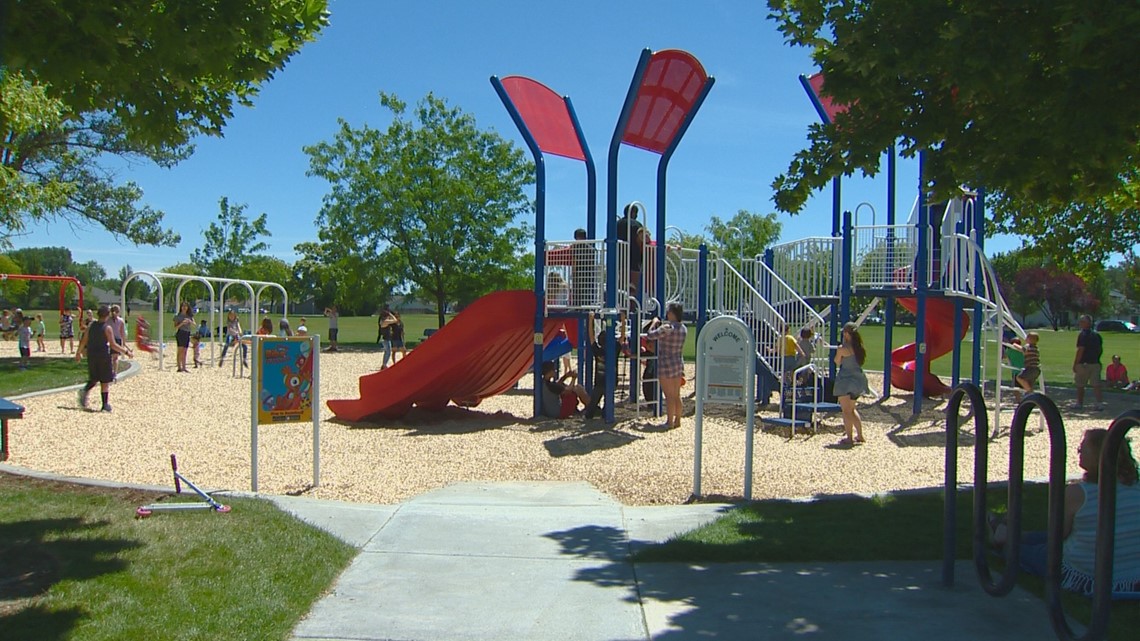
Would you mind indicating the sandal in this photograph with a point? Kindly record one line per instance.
(846, 442)
(859, 440)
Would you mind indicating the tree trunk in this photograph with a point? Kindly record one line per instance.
(441, 307)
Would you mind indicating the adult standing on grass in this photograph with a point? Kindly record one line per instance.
(1086, 364)
(100, 343)
(384, 322)
(183, 328)
(333, 314)
(851, 382)
(670, 336)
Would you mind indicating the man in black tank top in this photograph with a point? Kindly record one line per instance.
(99, 341)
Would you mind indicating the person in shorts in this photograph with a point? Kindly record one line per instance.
(1086, 363)
(99, 342)
(334, 315)
(1031, 369)
(24, 335)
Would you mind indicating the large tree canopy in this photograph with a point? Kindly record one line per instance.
(1036, 101)
(139, 80)
(436, 201)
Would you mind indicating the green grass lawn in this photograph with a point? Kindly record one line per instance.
(41, 374)
(906, 526)
(76, 564)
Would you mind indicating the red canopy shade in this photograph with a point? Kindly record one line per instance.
(829, 106)
(545, 115)
(671, 85)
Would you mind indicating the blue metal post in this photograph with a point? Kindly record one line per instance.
(539, 236)
(702, 287)
(611, 231)
(979, 284)
(845, 276)
(889, 306)
(836, 229)
(922, 274)
(586, 365)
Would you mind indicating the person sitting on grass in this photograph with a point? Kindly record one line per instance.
(560, 400)
(1116, 374)
(1080, 524)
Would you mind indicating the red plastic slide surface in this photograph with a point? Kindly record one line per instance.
(940, 340)
(482, 352)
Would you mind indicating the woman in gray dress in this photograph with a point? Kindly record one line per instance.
(851, 382)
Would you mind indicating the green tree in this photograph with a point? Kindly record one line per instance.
(356, 282)
(231, 242)
(437, 198)
(1129, 278)
(194, 290)
(137, 80)
(1033, 101)
(12, 289)
(138, 288)
(269, 269)
(745, 234)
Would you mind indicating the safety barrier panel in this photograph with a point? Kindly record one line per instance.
(810, 265)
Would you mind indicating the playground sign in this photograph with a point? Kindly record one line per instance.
(726, 374)
(285, 389)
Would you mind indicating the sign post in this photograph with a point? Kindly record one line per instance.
(285, 388)
(726, 374)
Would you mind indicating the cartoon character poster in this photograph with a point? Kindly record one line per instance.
(286, 394)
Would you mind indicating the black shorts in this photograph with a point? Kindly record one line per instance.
(182, 338)
(332, 334)
(99, 369)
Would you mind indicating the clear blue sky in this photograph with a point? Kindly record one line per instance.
(752, 123)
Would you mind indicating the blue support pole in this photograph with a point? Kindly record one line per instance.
(539, 237)
(611, 231)
(956, 357)
(889, 307)
(702, 287)
(922, 274)
(979, 284)
(845, 275)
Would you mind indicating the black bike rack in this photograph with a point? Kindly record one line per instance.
(1106, 515)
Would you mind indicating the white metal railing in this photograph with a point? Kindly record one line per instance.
(884, 256)
(810, 265)
(575, 274)
(682, 277)
(771, 308)
(967, 273)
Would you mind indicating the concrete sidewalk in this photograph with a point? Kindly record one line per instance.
(550, 561)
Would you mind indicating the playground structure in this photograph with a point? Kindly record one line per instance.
(215, 302)
(933, 264)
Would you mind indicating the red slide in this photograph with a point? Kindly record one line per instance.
(482, 352)
(939, 341)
